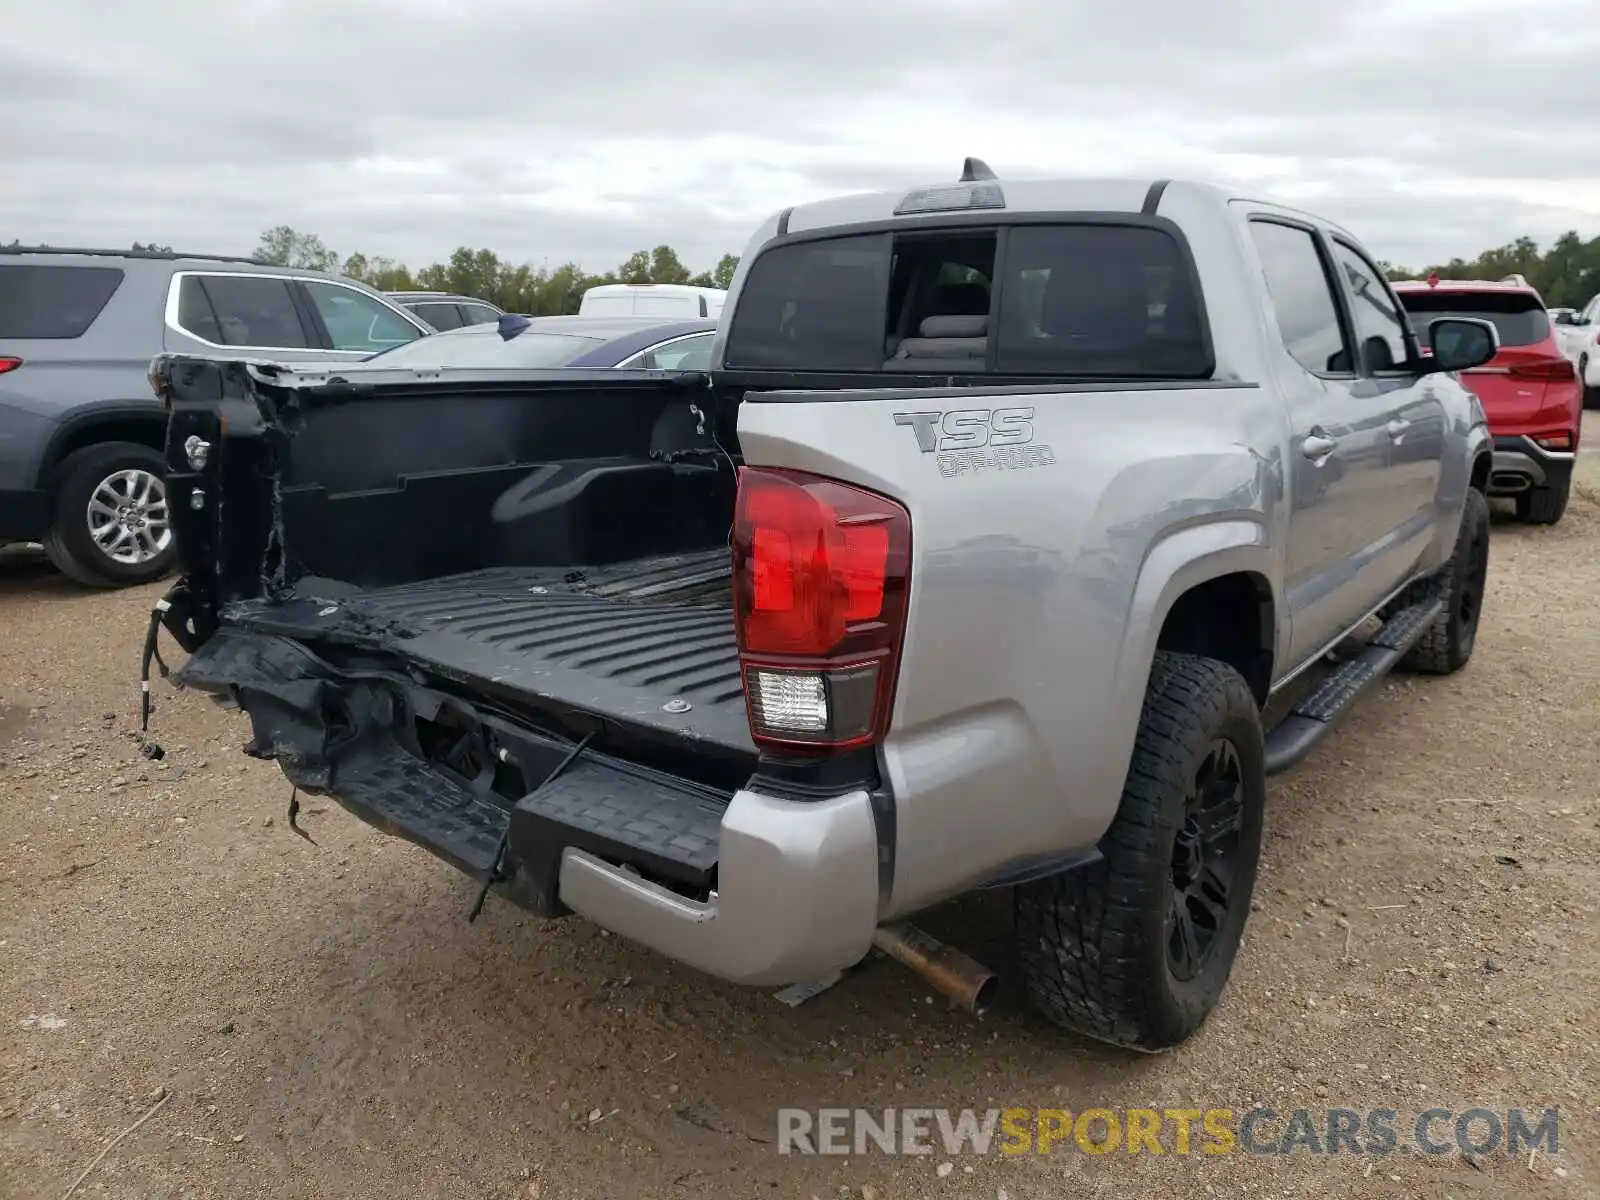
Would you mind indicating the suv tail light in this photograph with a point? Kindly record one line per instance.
(1560, 440)
(820, 573)
(7, 363)
(1547, 370)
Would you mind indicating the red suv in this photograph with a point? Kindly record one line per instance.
(1529, 389)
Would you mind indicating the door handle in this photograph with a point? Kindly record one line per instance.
(1317, 446)
(1397, 429)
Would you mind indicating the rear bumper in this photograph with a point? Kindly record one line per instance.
(24, 515)
(797, 893)
(750, 888)
(1520, 465)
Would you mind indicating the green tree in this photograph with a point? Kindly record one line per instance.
(287, 247)
(636, 269)
(665, 266)
(151, 248)
(722, 276)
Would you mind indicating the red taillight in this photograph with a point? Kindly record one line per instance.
(1545, 370)
(820, 572)
(8, 363)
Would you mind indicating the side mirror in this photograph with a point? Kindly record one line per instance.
(1460, 343)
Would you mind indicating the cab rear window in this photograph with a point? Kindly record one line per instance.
(1075, 298)
(39, 301)
(1519, 316)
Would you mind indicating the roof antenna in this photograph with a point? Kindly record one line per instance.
(974, 169)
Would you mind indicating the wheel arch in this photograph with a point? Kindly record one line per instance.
(1208, 590)
(137, 423)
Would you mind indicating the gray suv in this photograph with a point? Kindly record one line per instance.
(448, 310)
(80, 429)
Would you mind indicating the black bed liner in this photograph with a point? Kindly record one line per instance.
(649, 643)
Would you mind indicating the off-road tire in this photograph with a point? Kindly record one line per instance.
(1092, 943)
(68, 542)
(1447, 646)
(1544, 505)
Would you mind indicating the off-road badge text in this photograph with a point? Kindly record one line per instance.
(972, 440)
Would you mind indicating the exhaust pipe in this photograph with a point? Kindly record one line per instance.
(969, 984)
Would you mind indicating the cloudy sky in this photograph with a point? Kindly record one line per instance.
(550, 130)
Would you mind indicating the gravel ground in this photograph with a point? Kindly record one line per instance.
(323, 1022)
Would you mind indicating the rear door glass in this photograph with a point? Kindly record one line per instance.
(478, 314)
(241, 310)
(1302, 297)
(39, 301)
(440, 316)
(1518, 316)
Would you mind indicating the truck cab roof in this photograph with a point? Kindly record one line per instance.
(999, 199)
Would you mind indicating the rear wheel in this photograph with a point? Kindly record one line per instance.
(1135, 949)
(1544, 505)
(111, 526)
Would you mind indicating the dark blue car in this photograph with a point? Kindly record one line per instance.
(513, 341)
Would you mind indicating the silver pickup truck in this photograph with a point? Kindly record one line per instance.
(973, 563)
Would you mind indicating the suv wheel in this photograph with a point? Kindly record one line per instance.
(1135, 949)
(1544, 505)
(111, 526)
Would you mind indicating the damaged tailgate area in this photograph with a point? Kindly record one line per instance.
(489, 612)
(434, 711)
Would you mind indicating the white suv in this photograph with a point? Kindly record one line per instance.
(1578, 335)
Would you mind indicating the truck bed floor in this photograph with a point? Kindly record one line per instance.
(649, 642)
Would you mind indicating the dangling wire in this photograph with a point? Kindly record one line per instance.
(152, 651)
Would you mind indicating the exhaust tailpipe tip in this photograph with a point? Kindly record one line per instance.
(967, 983)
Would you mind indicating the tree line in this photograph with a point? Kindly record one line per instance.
(520, 288)
(1567, 274)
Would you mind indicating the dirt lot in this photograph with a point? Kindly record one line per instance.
(325, 1023)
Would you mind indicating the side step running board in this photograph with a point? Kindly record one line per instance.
(1315, 715)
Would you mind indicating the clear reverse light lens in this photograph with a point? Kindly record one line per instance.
(789, 701)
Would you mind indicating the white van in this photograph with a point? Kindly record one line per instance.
(651, 300)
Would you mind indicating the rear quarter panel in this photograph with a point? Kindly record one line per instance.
(1037, 593)
(66, 382)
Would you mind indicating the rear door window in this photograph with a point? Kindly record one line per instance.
(1518, 316)
(684, 354)
(1302, 297)
(38, 301)
(478, 314)
(357, 321)
(440, 316)
(242, 310)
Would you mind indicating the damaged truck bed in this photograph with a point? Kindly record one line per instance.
(356, 694)
(407, 630)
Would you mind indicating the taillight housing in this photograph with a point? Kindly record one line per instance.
(9, 363)
(1546, 370)
(820, 577)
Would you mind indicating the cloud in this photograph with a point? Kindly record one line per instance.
(576, 130)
